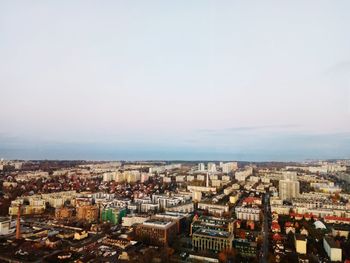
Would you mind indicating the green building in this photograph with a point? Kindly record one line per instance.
(113, 215)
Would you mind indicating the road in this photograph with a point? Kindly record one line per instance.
(265, 230)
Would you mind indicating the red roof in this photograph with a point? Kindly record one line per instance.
(288, 224)
(275, 225)
(276, 237)
(337, 218)
(251, 200)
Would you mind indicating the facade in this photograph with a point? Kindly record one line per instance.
(113, 215)
(300, 243)
(216, 241)
(6, 226)
(211, 167)
(64, 212)
(288, 189)
(88, 213)
(201, 167)
(215, 209)
(131, 220)
(229, 167)
(247, 213)
(245, 248)
(332, 249)
(182, 208)
(157, 231)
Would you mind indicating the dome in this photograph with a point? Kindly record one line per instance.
(319, 225)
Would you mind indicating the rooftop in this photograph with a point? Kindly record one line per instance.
(212, 233)
(331, 242)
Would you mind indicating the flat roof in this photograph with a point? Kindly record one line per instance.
(331, 242)
(212, 233)
(157, 222)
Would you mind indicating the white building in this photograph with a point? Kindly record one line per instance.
(288, 189)
(201, 167)
(241, 175)
(229, 167)
(212, 167)
(247, 213)
(131, 220)
(332, 249)
(6, 226)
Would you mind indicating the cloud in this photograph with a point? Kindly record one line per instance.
(249, 128)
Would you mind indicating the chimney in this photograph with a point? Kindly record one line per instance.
(18, 225)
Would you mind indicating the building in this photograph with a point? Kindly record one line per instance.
(212, 223)
(288, 189)
(212, 167)
(241, 175)
(332, 249)
(201, 167)
(229, 167)
(88, 213)
(247, 213)
(182, 208)
(7, 226)
(300, 242)
(130, 220)
(157, 231)
(181, 219)
(214, 209)
(216, 241)
(64, 213)
(340, 230)
(113, 215)
(245, 248)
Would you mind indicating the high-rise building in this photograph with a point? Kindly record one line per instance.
(288, 189)
(201, 167)
(211, 167)
(229, 167)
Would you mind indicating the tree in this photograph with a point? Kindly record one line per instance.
(228, 255)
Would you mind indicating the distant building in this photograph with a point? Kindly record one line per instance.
(288, 189)
(212, 167)
(229, 167)
(201, 167)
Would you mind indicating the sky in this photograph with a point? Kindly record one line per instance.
(185, 80)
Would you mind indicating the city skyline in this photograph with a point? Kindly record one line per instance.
(213, 81)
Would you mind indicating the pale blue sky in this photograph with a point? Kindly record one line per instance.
(252, 80)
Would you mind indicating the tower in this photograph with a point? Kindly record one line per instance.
(18, 225)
